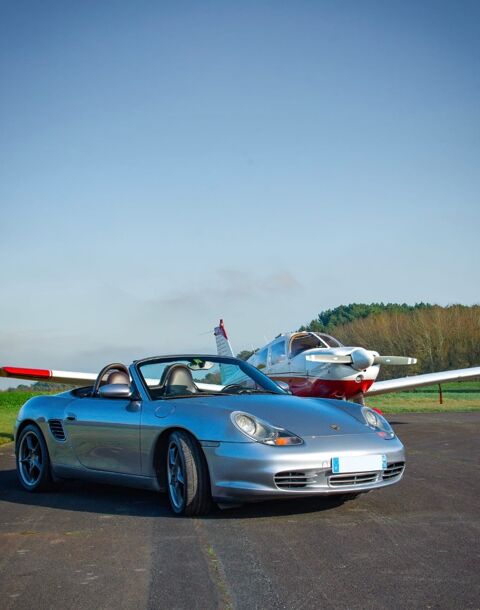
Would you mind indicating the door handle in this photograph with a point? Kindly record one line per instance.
(71, 417)
(134, 406)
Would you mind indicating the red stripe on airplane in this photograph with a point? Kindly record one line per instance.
(222, 329)
(325, 388)
(13, 371)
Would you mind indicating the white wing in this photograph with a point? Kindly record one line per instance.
(415, 381)
(73, 378)
(47, 375)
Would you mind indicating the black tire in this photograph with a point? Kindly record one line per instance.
(33, 461)
(188, 482)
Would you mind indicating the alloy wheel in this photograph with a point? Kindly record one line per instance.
(176, 476)
(30, 459)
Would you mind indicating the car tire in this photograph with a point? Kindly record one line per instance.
(188, 481)
(33, 460)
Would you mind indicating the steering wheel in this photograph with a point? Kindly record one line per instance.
(235, 388)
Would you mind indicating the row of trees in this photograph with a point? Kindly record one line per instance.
(440, 338)
(328, 320)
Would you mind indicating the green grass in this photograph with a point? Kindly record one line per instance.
(456, 397)
(416, 402)
(460, 387)
(10, 403)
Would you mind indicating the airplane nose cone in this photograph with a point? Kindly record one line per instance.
(361, 359)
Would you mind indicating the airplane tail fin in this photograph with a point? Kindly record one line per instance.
(224, 347)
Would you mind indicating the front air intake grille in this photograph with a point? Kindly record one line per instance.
(56, 428)
(393, 470)
(293, 480)
(345, 480)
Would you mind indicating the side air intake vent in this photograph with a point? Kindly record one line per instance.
(393, 470)
(292, 480)
(56, 428)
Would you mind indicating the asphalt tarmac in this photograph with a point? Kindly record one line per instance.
(413, 545)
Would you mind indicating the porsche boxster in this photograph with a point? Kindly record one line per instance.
(171, 424)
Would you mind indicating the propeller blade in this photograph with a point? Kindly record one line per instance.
(361, 359)
(329, 358)
(394, 360)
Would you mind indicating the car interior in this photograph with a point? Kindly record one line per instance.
(176, 380)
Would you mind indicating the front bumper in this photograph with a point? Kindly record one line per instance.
(248, 472)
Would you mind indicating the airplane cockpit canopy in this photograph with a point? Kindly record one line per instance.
(300, 342)
(329, 340)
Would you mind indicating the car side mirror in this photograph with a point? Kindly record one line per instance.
(115, 390)
(283, 385)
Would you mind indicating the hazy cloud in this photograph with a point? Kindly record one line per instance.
(224, 285)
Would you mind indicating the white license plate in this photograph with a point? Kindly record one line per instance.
(359, 463)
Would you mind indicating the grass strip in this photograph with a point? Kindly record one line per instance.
(456, 397)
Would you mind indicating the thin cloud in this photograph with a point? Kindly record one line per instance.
(226, 285)
(240, 283)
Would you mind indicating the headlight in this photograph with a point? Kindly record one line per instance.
(262, 432)
(377, 422)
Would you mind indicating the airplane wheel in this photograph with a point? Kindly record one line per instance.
(33, 461)
(188, 482)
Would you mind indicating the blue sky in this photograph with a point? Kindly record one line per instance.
(163, 164)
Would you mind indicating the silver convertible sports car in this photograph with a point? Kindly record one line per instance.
(176, 424)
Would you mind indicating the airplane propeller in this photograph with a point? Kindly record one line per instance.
(361, 359)
(395, 360)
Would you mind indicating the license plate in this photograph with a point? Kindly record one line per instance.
(359, 463)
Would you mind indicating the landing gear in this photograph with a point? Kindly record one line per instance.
(359, 399)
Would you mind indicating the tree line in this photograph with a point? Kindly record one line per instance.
(441, 338)
(328, 320)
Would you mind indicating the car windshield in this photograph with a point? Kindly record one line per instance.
(195, 376)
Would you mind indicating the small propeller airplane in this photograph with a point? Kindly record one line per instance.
(318, 365)
(308, 363)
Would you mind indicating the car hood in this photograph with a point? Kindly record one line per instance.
(302, 416)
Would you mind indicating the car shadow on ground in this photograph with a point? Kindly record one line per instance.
(124, 501)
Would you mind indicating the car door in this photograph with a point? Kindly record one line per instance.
(105, 433)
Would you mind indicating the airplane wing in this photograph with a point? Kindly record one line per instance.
(415, 381)
(68, 377)
(47, 375)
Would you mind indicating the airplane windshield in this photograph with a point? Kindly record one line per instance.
(329, 340)
(196, 376)
(303, 341)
